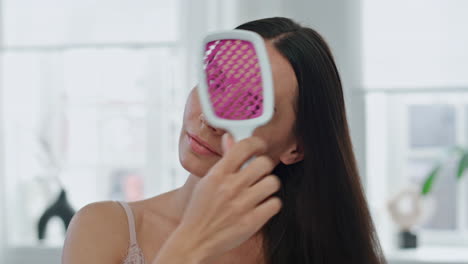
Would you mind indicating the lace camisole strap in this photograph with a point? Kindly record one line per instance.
(134, 254)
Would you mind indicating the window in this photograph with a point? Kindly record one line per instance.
(408, 133)
(435, 123)
(84, 112)
(416, 90)
(84, 85)
(92, 96)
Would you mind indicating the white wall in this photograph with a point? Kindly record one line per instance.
(417, 43)
(55, 22)
(251, 10)
(2, 170)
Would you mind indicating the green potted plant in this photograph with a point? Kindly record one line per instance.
(457, 152)
(419, 198)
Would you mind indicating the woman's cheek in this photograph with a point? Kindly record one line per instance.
(267, 130)
(192, 108)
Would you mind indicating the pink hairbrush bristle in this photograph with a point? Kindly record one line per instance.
(234, 79)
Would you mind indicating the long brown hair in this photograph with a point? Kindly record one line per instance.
(325, 217)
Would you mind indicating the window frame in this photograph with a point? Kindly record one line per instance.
(392, 106)
(432, 237)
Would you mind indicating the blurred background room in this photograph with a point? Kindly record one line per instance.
(92, 95)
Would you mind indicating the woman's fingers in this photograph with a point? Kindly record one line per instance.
(261, 190)
(238, 154)
(257, 169)
(263, 212)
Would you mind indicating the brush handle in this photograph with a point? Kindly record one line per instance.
(240, 133)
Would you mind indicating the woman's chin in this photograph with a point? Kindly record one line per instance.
(197, 164)
(194, 164)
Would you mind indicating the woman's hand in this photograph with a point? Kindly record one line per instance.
(229, 204)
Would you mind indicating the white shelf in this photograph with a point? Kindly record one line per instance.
(425, 255)
(429, 255)
(39, 255)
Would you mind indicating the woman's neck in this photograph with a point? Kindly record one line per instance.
(175, 201)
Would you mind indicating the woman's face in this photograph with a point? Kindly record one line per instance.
(277, 133)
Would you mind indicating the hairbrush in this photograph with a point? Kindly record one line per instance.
(236, 87)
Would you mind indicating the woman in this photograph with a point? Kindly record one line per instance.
(299, 201)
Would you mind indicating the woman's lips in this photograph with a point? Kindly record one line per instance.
(200, 147)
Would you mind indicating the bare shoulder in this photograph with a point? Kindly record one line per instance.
(154, 223)
(98, 233)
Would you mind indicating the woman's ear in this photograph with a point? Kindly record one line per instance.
(292, 155)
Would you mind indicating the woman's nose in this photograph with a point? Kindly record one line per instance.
(216, 130)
